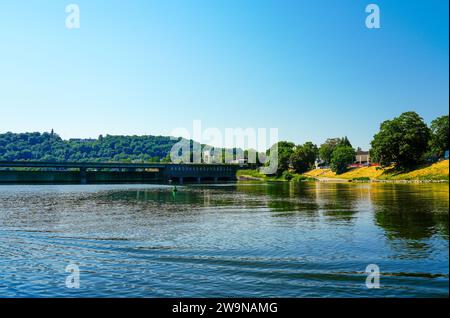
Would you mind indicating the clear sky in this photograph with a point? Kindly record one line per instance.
(309, 68)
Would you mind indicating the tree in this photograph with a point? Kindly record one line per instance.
(439, 135)
(285, 150)
(345, 142)
(402, 141)
(326, 149)
(252, 157)
(50, 146)
(303, 157)
(341, 158)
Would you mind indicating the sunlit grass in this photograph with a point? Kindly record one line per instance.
(436, 171)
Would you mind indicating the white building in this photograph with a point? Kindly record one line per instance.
(208, 156)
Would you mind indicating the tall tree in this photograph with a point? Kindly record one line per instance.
(439, 135)
(345, 142)
(285, 150)
(326, 149)
(304, 156)
(402, 141)
(342, 157)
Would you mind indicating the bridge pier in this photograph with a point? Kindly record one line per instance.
(83, 175)
(181, 180)
(216, 179)
(199, 180)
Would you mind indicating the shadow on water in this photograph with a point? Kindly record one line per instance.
(286, 199)
(410, 211)
(334, 201)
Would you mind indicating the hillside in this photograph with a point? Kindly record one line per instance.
(51, 147)
(436, 171)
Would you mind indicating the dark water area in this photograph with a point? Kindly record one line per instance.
(230, 240)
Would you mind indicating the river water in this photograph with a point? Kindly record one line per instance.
(230, 240)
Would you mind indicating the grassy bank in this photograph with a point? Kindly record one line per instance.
(254, 175)
(436, 172)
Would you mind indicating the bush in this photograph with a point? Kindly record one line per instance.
(361, 179)
(287, 175)
(300, 178)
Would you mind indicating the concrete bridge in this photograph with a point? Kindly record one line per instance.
(101, 172)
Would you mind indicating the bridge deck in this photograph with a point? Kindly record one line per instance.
(130, 171)
(103, 165)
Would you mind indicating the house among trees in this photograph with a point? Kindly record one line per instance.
(362, 157)
(82, 139)
(208, 156)
(318, 163)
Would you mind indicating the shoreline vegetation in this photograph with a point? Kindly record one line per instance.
(405, 149)
(436, 172)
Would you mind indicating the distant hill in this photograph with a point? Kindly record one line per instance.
(51, 147)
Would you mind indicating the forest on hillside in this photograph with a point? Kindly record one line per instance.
(51, 147)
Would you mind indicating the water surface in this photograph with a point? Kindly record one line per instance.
(230, 240)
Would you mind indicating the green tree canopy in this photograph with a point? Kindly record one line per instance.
(285, 150)
(439, 135)
(50, 147)
(345, 142)
(342, 157)
(326, 149)
(402, 141)
(304, 156)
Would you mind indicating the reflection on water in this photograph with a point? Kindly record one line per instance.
(245, 239)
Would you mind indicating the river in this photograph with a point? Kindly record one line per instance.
(229, 240)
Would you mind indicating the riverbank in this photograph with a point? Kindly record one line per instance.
(437, 172)
(254, 175)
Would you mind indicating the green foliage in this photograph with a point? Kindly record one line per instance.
(345, 142)
(287, 175)
(304, 156)
(402, 141)
(252, 158)
(50, 147)
(326, 149)
(439, 136)
(342, 157)
(361, 179)
(285, 150)
(250, 173)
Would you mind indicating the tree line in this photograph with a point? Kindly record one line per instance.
(403, 142)
(337, 153)
(51, 147)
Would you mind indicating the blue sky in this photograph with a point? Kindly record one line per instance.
(309, 68)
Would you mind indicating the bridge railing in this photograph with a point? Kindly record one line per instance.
(105, 165)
